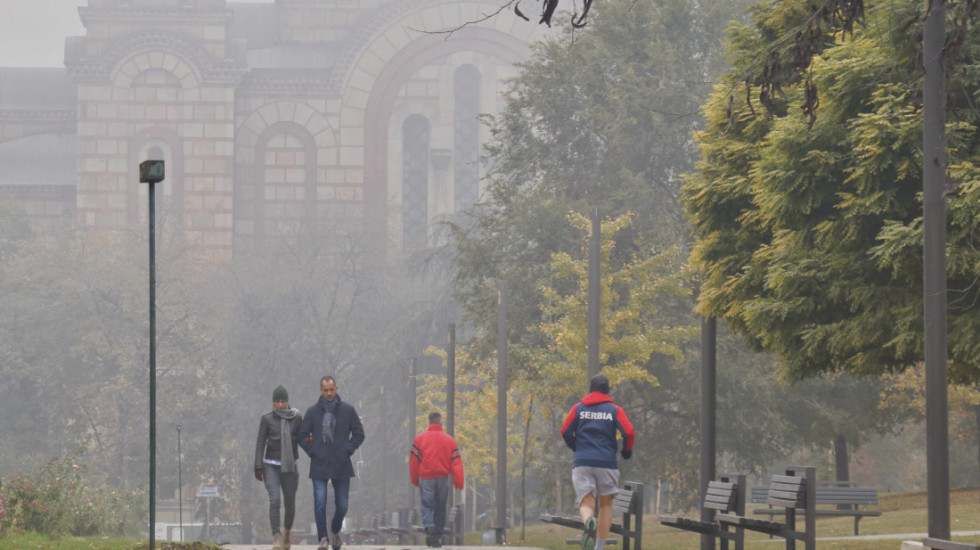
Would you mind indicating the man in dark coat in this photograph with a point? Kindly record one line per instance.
(330, 433)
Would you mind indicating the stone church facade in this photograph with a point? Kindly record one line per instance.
(354, 115)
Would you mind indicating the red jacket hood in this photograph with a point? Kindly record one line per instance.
(595, 398)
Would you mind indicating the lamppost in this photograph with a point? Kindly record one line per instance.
(152, 172)
(180, 490)
(501, 534)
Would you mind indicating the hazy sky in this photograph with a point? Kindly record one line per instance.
(32, 32)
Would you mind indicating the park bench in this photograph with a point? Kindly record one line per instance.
(627, 505)
(793, 493)
(400, 525)
(454, 525)
(373, 530)
(845, 498)
(940, 544)
(724, 495)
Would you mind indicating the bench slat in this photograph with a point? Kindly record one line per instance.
(698, 526)
(718, 500)
(830, 495)
(753, 524)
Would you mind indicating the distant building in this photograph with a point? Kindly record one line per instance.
(271, 118)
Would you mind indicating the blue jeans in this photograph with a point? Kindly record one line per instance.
(341, 490)
(276, 481)
(434, 494)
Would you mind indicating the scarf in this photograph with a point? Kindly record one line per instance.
(329, 420)
(286, 439)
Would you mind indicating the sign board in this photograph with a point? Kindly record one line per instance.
(207, 491)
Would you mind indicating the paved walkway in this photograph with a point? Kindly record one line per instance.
(914, 538)
(392, 546)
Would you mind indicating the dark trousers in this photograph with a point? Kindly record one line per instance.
(276, 482)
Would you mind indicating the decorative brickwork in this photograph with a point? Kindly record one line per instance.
(276, 118)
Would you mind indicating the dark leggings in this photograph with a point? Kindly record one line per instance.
(275, 481)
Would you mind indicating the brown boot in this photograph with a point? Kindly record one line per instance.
(286, 540)
(277, 541)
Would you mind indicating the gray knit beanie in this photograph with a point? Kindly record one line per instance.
(280, 394)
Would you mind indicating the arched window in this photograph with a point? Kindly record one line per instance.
(415, 182)
(276, 199)
(466, 135)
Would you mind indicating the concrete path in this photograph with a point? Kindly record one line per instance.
(910, 541)
(393, 546)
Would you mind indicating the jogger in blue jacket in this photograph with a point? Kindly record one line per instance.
(590, 430)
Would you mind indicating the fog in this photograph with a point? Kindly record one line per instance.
(315, 173)
(32, 32)
(297, 296)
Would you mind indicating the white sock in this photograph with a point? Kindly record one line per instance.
(599, 543)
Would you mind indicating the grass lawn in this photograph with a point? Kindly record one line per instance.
(902, 513)
(33, 541)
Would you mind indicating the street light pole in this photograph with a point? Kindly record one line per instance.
(595, 293)
(501, 533)
(934, 267)
(180, 490)
(152, 172)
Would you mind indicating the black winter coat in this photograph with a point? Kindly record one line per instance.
(331, 461)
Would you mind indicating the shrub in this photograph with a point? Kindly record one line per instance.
(56, 501)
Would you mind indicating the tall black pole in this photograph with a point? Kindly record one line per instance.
(384, 445)
(708, 406)
(501, 530)
(152, 172)
(451, 381)
(594, 295)
(934, 267)
(413, 385)
(412, 416)
(180, 490)
(153, 369)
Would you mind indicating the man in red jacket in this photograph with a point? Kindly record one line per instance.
(433, 460)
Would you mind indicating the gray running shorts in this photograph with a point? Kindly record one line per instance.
(591, 480)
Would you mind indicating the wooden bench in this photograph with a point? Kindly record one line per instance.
(401, 525)
(846, 500)
(793, 492)
(373, 531)
(940, 544)
(627, 504)
(726, 495)
(454, 525)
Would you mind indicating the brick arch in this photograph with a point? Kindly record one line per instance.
(375, 106)
(254, 125)
(158, 49)
(406, 22)
(130, 68)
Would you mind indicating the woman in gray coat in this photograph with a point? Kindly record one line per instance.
(276, 454)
